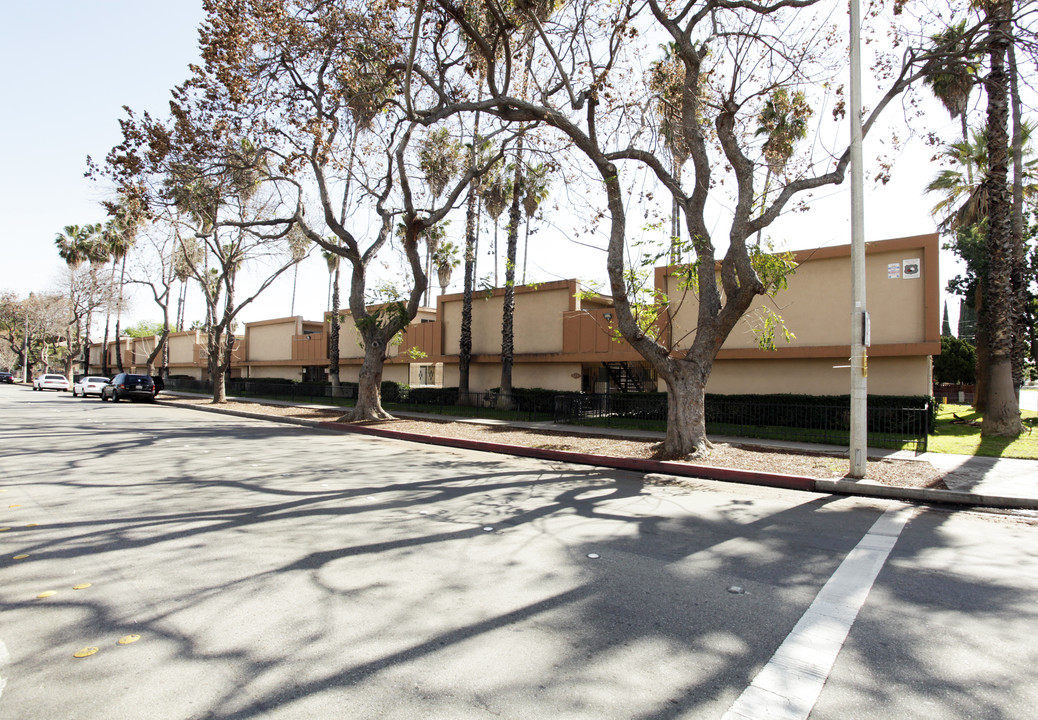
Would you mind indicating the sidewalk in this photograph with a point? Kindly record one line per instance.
(973, 481)
(994, 482)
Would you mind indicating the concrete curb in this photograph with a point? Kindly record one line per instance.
(868, 488)
(862, 488)
(249, 415)
(792, 482)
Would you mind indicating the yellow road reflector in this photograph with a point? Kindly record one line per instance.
(127, 639)
(47, 594)
(85, 652)
(32, 525)
(19, 557)
(11, 506)
(4, 529)
(81, 586)
(1, 490)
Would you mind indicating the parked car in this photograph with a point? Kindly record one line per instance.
(125, 386)
(89, 385)
(6, 377)
(50, 382)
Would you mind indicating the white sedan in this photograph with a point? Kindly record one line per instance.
(89, 385)
(50, 382)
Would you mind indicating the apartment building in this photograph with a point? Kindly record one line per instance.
(567, 340)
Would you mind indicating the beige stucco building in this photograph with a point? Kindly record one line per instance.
(903, 297)
(567, 340)
(188, 355)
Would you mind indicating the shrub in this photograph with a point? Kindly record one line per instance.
(433, 396)
(393, 391)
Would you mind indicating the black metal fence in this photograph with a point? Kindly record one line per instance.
(269, 390)
(444, 401)
(441, 401)
(888, 427)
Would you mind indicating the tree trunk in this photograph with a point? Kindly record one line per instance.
(506, 401)
(1019, 279)
(165, 339)
(160, 345)
(369, 392)
(224, 345)
(118, 345)
(213, 345)
(1002, 416)
(686, 414)
(119, 316)
(86, 342)
(526, 248)
(181, 299)
(333, 339)
(980, 391)
(295, 277)
(228, 354)
(465, 342)
(104, 347)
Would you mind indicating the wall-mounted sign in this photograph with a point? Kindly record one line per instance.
(893, 271)
(910, 268)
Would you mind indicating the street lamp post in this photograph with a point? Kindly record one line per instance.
(859, 315)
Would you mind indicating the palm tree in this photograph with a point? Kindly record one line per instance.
(538, 187)
(445, 259)
(186, 256)
(333, 261)
(783, 120)
(963, 199)
(298, 247)
(962, 212)
(505, 401)
(115, 242)
(439, 156)
(495, 198)
(666, 84)
(477, 150)
(953, 77)
(1002, 411)
(76, 246)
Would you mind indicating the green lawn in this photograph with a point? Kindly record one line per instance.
(965, 439)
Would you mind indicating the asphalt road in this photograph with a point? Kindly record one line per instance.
(259, 570)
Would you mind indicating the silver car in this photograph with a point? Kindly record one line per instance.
(89, 385)
(50, 382)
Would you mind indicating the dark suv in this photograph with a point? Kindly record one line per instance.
(6, 377)
(129, 387)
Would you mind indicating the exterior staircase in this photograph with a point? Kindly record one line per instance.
(622, 378)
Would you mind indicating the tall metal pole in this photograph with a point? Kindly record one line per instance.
(859, 362)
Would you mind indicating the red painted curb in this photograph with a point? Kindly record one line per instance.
(706, 472)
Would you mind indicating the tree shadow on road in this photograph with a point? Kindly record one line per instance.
(321, 571)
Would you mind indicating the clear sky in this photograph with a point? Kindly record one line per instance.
(70, 66)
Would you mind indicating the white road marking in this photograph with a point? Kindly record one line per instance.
(788, 687)
(5, 657)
